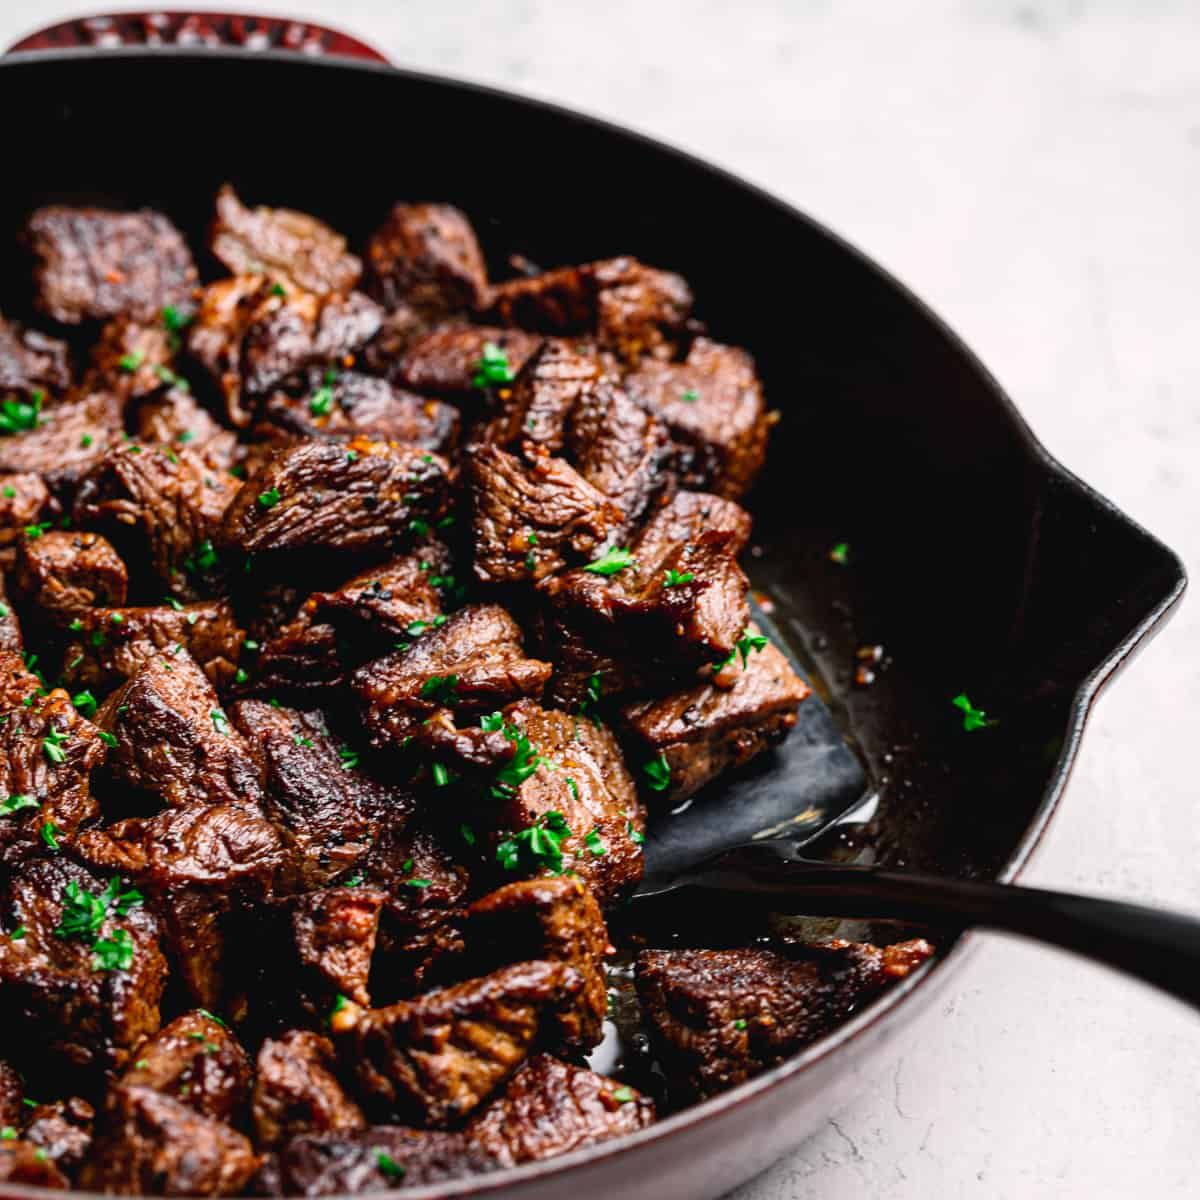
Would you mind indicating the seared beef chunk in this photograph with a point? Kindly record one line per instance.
(630, 308)
(63, 571)
(18, 684)
(719, 1017)
(579, 790)
(319, 495)
(400, 328)
(546, 918)
(327, 808)
(297, 1092)
(426, 255)
(12, 1095)
(159, 505)
(196, 1060)
(23, 1162)
(62, 1130)
(291, 247)
(132, 358)
(70, 438)
(173, 418)
(31, 362)
(333, 935)
(80, 985)
(550, 1107)
(713, 405)
(153, 1144)
(472, 662)
(302, 657)
(375, 1160)
(434, 1059)
(684, 518)
(25, 501)
(174, 742)
(533, 519)
(328, 403)
(448, 361)
(95, 264)
(696, 734)
(10, 627)
(113, 643)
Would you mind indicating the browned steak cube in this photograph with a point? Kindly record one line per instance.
(17, 682)
(63, 571)
(684, 518)
(23, 1162)
(31, 362)
(297, 1092)
(720, 1017)
(401, 327)
(426, 256)
(174, 742)
(92, 263)
(434, 1059)
(629, 308)
(69, 439)
(450, 361)
(173, 418)
(550, 1107)
(713, 405)
(196, 1060)
(684, 740)
(321, 495)
(291, 247)
(533, 519)
(394, 600)
(62, 1130)
(553, 919)
(302, 657)
(83, 980)
(151, 1144)
(472, 662)
(333, 932)
(324, 402)
(12, 1095)
(132, 358)
(10, 626)
(112, 644)
(25, 501)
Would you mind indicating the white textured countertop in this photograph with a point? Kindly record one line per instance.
(1033, 171)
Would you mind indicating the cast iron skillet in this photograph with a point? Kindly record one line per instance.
(975, 560)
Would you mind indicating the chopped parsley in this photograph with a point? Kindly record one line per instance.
(220, 721)
(418, 883)
(83, 913)
(635, 835)
(573, 787)
(204, 559)
(840, 554)
(109, 739)
(973, 718)
(212, 1017)
(18, 934)
(610, 562)
(467, 833)
(86, 441)
(33, 532)
(52, 744)
(113, 953)
(277, 289)
(744, 646)
(321, 401)
(15, 804)
(388, 1165)
(17, 415)
(689, 396)
(624, 1095)
(658, 773)
(492, 367)
(673, 578)
(595, 843)
(440, 689)
(538, 847)
(10, 491)
(85, 702)
(174, 320)
(524, 762)
(420, 528)
(131, 361)
(440, 773)
(8, 1133)
(269, 498)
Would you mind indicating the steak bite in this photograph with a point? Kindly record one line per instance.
(83, 980)
(196, 1060)
(319, 495)
(93, 264)
(297, 250)
(426, 256)
(302, 657)
(153, 1144)
(62, 1130)
(551, 1107)
(174, 418)
(332, 937)
(63, 571)
(449, 361)
(720, 1017)
(474, 661)
(434, 1059)
(686, 739)
(25, 501)
(531, 520)
(712, 403)
(31, 362)
(23, 1162)
(684, 518)
(629, 308)
(174, 742)
(296, 1091)
(132, 358)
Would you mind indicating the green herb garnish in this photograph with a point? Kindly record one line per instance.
(492, 367)
(673, 578)
(610, 562)
(658, 773)
(538, 847)
(973, 718)
(17, 416)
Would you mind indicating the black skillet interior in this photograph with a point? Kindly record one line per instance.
(975, 562)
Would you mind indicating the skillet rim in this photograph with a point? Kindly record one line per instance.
(882, 1011)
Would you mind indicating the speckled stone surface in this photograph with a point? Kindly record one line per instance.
(1032, 170)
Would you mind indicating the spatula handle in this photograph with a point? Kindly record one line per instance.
(1159, 947)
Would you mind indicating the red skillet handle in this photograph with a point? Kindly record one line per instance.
(196, 29)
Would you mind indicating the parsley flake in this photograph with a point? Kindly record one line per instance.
(973, 718)
(269, 498)
(658, 773)
(492, 367)
(673, 578)
(610, 562)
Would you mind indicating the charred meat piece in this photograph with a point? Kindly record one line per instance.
(719, 1017)
(92, 263)
(23, 1162)
(31, 362)
(531, 520)
(450, 361)
(291, 247)
(550, 1107)
(684, 518)
(153, 1144)
(62, 1130)
(320, 495)
(296, 1091)
(629, 308)
(12, 1096)
(713, 405)
(174, 742)
(197, 1061)
(17, 682)
(401, 326)
(83, 980)
(333, 932)
(25, 501)
(552, 919)
(302, 657)
(688, 738)
(327, 403)
(132, 358)
(112, 644)
(159, 505)
(63, 571)
(434, 1059)
(10, 627)
(173, 418)
(426, 256)
(472, 662)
